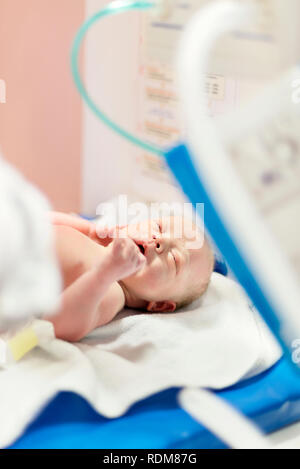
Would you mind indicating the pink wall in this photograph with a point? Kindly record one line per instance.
(40, 124)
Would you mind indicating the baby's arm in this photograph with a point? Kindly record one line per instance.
(85, 227)
(95, 298)
(100, 235)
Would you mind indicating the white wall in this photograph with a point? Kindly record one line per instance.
(111, 61)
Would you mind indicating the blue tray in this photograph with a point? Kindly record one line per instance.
(271, 400)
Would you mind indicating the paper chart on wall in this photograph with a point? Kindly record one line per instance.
(228, 82)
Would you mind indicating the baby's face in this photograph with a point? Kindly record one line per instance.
(176, 259)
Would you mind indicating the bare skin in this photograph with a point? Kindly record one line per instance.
(92, 295)
(149, 269)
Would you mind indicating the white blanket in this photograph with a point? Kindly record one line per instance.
(215, 342)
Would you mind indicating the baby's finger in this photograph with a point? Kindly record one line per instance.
(104, 234)
(110, 231)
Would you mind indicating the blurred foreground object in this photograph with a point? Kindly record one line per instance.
(29, 277)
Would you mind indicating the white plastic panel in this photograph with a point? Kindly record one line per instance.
(242, 63)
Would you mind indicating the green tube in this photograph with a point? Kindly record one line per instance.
(113, 8)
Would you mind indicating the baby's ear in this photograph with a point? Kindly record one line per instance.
(161, 306)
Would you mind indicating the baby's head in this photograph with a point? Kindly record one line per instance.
(178, 268)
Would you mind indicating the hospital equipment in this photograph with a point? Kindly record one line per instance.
(159, 422)
(270, 141)
(196, 171)
(277, 302)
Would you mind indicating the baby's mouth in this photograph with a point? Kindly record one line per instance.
(142, 247)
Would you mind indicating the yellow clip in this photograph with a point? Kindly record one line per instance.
(22, 343)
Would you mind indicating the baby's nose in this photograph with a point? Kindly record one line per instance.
(161, 243)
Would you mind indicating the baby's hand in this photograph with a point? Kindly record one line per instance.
(126, 258)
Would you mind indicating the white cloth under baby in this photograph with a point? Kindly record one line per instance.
(213, 343)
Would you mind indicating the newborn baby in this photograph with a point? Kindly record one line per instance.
(149, 268)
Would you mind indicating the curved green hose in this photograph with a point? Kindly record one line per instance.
(113, 8)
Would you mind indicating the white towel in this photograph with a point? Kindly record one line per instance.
(215, 342)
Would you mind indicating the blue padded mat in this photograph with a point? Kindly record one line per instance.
(272, 400)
